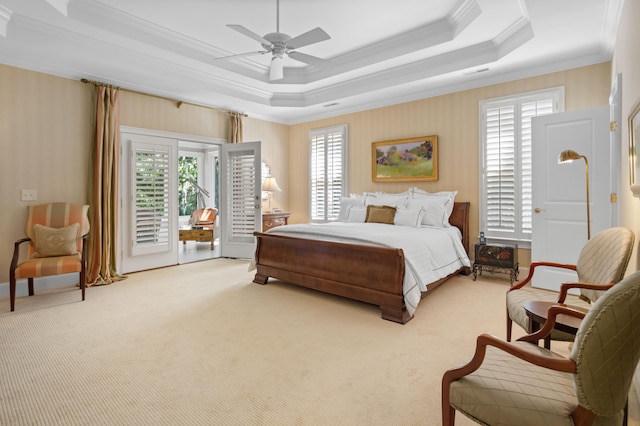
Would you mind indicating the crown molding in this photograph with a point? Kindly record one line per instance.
(61, 6)
(5, 17)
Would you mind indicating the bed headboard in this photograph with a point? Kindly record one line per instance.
(460, 219)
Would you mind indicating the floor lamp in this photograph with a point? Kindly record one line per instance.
(270, 185)
(567, 157)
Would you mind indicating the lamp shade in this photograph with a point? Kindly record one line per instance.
(270, 184)
(568, 155)
(277, 68)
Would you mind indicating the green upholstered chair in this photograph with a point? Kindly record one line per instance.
(519, 383)
(56, 233)
(602, 263)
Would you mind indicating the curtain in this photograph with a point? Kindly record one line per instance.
(101, 248)
(236, 127)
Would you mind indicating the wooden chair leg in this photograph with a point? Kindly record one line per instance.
(83, 283)
(30, 280)
(12, 292)
(509, 327)
(448, 412)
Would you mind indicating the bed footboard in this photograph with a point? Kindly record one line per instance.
(369, 274)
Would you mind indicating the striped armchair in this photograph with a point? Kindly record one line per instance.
(56, 234)
(602, 263)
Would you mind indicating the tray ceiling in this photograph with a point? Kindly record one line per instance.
(380, 52)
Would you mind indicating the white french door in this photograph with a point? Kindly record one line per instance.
(149, 202)
(148, 225)
(241, 199)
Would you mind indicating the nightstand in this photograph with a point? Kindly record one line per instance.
(502, 258)
(271, 220)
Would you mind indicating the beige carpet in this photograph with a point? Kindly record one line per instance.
(200, 344)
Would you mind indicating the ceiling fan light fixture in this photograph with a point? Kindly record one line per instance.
(277, 68)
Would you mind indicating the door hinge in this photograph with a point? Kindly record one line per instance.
(614, 197)
(613, 126)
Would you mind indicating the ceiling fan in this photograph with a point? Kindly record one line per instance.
(280, 44)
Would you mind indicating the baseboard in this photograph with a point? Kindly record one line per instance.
(40, 284)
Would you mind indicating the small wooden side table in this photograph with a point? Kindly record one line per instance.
(185, 235)
(537, 312)
(271, 220)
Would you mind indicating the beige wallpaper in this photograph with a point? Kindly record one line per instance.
(45, 132)
(454, 118)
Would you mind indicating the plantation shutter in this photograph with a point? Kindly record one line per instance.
(507, 169)
(500, 169)
(151, 214)
(327, 172)
(241, 180)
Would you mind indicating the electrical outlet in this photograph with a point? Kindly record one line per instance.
(28, 195)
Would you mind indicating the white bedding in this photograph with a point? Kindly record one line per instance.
(430, 253)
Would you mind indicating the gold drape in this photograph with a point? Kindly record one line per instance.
(101, 253)
(236, 127)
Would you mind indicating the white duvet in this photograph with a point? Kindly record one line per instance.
(430, 253)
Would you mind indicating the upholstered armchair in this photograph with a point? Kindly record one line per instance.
(519, 383)
(56, 234)
(204, 217)
(601, 263)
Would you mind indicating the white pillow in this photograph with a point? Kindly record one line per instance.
(345, 206)
(409, 217)
(392, 200)
(435, 210)
(449, 195)
(357, 214)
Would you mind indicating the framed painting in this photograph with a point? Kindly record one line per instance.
(414, 159)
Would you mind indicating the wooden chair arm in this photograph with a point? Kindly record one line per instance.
(83, 255)
(534, 265)
(552, 313)
(16, 252)
(565, 287)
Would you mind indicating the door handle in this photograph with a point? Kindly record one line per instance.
(537, 210)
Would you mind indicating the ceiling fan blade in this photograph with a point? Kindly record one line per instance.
(249, 34)
(277, 68)
(240, 55)
(308, 59)
(315, 35)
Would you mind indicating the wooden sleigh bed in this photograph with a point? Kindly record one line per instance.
(366, 273)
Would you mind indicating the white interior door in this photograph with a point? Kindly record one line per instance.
(241, 200)
(559, 190)
(150, 202)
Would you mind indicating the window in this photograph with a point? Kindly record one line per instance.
(328, 172)
(506, 170)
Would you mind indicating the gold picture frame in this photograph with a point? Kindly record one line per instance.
(413, 159)
(634, 133)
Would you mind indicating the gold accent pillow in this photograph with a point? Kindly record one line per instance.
(55, 241)
(380, 214)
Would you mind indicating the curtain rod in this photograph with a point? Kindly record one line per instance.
(178, 103)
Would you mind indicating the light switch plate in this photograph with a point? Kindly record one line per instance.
(28, 195)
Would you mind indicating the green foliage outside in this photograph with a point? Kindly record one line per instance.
(187, 192)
